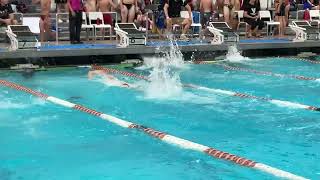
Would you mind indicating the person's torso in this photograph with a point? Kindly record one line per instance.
(252, 10)
(45, 6)
(175, 7)
(4, 11)
(104, 6)
(207, 5)
(77, 5)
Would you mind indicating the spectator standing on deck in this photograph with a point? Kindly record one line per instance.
(228, 10)
(45, 21)
(75, 20)
(172, 9)
(207, 8)
(6, 14)
(280, 7)
(106, 6)
(91, 5)
(128, 10)
(251, 16)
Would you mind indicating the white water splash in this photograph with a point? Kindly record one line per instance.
(164, 83)
(318, 80)
(234, 55)
(164, 74)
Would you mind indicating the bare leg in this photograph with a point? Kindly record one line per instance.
(131, 14)
(283, 25)
(287, 9)
(124, 14)
(169, 24)
(255, 31)
(47, 28)
(186, 23)
(226, 14)
(42, 31)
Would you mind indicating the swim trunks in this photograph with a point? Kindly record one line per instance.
(205, 18)
(107, 18)
(60, 1)
(128, 5)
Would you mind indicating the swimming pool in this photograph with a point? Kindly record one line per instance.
(40, 140)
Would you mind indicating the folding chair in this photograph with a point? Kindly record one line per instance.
(240, 15)
(266, 15)
(85, 25)
(196, 21)
(96, 19)
(315, 16)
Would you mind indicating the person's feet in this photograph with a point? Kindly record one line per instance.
(259, 36)
(184, 37)
(76, 42)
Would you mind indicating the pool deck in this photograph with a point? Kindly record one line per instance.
(153, 47)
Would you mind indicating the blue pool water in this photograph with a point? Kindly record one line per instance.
(40, 140)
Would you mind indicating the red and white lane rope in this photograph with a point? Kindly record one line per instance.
(111, 70)
(183, 143)
(233, 68)
(220, 91)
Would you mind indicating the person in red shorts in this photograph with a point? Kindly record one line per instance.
(106, 6)
(45, 22)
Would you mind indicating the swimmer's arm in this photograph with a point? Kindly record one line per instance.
(90, 75)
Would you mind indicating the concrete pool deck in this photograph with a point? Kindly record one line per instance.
(64, 49)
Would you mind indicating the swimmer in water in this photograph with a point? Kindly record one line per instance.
(109, 79)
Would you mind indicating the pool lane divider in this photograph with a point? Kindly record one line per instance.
(183, 143)
(305, 60)
(233, 68)
(218, 91)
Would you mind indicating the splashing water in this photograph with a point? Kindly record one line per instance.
(234, 55)
(164, 74)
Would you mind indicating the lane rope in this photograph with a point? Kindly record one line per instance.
(218, 91)
(183, 143)
(227, 67)
(305, 60)
(233, 68)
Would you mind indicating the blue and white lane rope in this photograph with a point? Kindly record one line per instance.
(183, 143)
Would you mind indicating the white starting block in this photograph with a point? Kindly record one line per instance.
(21, 37)
(218, 37)
(304, 31)
(129, 35)
(222, 32)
